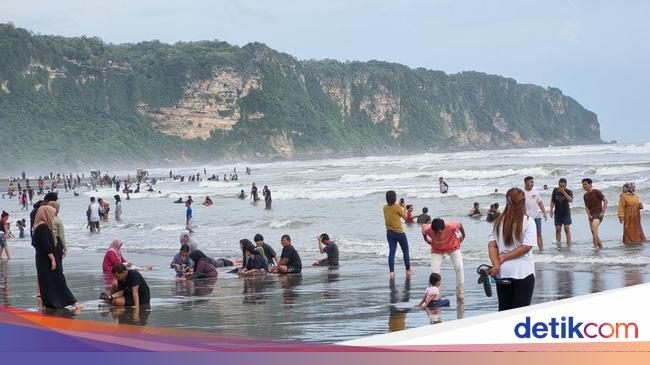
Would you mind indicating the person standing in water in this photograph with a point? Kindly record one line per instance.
(444, 188)
(188, 215)
(510, 248)
(93, 215)
(4, 234)
(595, 205)
(118, 208)
(534, 206)
(51, 281)
(561, 200)
(629, 208)
(254, 193)
(393, 215)
(446, 238)
(266, 192)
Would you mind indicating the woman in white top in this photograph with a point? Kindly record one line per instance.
(511, 252)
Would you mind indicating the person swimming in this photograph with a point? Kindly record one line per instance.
(208, 202)
(475, 212)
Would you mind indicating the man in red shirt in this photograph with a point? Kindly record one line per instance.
(596, 205)
(445, 238)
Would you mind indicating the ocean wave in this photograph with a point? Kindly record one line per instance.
(288, 223)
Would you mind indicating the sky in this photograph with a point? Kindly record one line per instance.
(597, 52)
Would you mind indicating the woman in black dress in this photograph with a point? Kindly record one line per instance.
(54, 290)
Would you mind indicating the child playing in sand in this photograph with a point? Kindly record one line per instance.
(432, 296)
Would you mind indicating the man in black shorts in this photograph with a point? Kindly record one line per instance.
(132, 290)
(561, 200)
(289, 259)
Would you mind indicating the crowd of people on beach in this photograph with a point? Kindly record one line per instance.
(514, 233)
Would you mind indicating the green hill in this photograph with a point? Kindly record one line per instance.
(80, 101)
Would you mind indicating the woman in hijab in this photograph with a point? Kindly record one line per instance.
(186, 240)
(203, 266)
(59, 232)
(629, 214)
(118, 208)
(53, 287)
(114, 256)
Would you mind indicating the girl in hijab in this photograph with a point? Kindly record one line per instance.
(59, 232)
(204, 267)
(629, 215)
(114, 256)
(53, 287)
(118, 208)
(186, 240)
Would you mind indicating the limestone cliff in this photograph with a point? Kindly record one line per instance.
(207, 100)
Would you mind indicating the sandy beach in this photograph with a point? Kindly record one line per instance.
(343, 198)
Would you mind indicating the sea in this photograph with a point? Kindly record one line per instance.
(344, 198)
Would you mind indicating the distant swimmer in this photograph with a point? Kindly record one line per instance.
(329, 247)
(475, 212)
(179, 201)
(242, 195)
(424, 216)
(493, 213)
(208, 202)
(444, 188)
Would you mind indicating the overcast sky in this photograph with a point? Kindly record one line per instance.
(598, 52)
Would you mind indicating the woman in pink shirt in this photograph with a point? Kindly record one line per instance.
(114, 256)
(445, 238)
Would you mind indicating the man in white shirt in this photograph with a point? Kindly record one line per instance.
(93, 215)
(534, 206)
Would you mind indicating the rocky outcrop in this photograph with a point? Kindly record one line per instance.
(207, 105)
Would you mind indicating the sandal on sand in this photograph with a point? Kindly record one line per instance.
(484, 278)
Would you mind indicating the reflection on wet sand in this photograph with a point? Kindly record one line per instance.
(255, 289)
(564, 281)
(327, 279)
(5, 294)
(132, 316)
(289, 282)
(596, 285)
(632, 276)
(397, 315)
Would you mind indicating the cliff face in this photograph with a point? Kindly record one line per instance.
(81, 100)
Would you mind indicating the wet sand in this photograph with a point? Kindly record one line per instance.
(320, 305)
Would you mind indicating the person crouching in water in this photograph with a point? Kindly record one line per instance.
(182, 263)
(446, 238)
(132, 289)
(325, 245)
(255, 264)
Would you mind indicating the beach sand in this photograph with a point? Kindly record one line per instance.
(319, 305)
